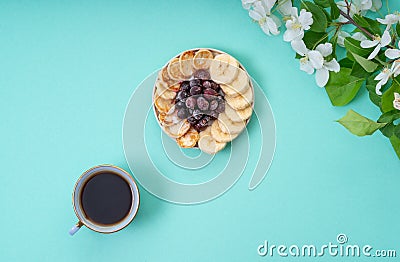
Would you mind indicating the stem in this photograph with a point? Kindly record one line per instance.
(351, 20)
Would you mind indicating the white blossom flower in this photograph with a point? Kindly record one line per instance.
(390, 20)
(315, 60)
(322, 75)
(385, 74)
(378, 42)
(261, 12)
(297, 24)
(396, 101)
(359, 7)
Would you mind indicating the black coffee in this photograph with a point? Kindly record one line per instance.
(106, 198)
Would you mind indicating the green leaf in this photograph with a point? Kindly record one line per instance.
(396, 131)
(335, 12)
(320, 22)
(342, 87)
(322, 3)
(346, 62)
(370, 25)
(359, 125)
(370, 85)
(312, 39)
(328, 16)
(359, 71)
(387, 130)
(389, 117)
(333, 41)
(354, 47)
(398, 29)
(368, 65)
(388, 97)
(395, 141)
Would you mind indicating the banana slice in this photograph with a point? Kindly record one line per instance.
(241, 101)
(189, 139)
(241, 83)
(174, 70)
(208, 144)
(228, 126)
(239, 86)
(161, 91)
(202, 59)
(177, 130)
(238, 115)
(170, 118)
(224, 69)
(163, 105)
(185, 63)
(220, 136)
(163, 76)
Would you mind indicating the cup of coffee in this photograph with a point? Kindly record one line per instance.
(105, 199)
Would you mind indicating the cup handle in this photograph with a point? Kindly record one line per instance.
(75, 228)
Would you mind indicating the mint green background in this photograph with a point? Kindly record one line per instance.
(67, 70)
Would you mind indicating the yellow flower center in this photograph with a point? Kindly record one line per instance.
(296, 26)
(262, 21)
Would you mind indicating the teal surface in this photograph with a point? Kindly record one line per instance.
(67, 70)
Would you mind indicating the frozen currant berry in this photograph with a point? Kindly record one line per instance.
(209, 91)
(213, 114)
(197, 114)
(195, 90)
(185, 86)
(213, 105)
(202, 103)
(181, 95)
(220, 108)
(206, 84)
(179, 104)
(190, 102)
(195, 82)
(182, 113)
(214, 85)
(192, 120)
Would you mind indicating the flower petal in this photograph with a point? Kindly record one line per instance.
(316, 59)
(392, 53)
(305, 19)
(285, 7)
(378, 88)
(299, 47)
(359, 36)
(322, 77)
(306, 66)
(268, 4)
(341, 36)
(324, 49)
(332, 65)
(369, 43)
(273, 27)
(375, 52)
(291, 35)
(376, 5)
(247, 3)
(380, 76)
(255, 15)
(386, 38)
